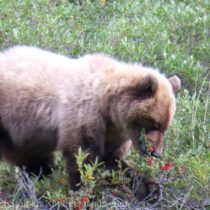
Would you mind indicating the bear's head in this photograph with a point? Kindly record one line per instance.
(144, 101)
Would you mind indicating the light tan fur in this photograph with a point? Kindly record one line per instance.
(50, 102)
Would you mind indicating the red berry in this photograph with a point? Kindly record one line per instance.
(167, 166)
(82, 202)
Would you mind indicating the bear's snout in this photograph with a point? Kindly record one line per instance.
(155, 138)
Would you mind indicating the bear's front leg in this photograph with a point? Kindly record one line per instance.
(71, 162)
(72, 169)
(145, 188)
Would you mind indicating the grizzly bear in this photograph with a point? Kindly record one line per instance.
(49, 102)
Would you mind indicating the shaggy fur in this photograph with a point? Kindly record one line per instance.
(49, 102)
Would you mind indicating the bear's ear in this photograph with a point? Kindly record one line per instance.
(147, 87)
(175, 83)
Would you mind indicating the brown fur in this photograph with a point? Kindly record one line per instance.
(49, 102)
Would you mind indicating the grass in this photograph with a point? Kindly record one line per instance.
(173, 36)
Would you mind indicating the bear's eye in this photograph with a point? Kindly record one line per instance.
(154, 127)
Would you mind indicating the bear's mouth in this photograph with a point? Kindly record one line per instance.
(144, 151)
(143, 147)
